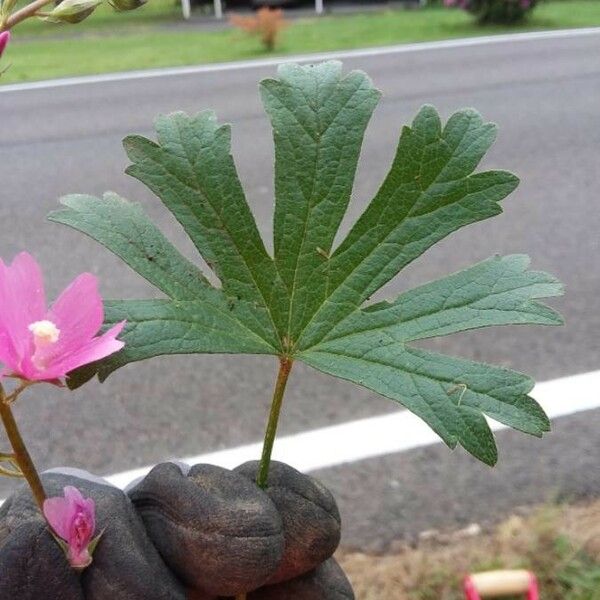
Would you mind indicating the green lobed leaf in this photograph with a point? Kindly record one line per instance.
(211, 325)
(369, 348)
(319, 120)
(192, 171)
(122, 227)
(207, 326)
(308, 301)
(430, 192)
(449, 394)
(497, 291)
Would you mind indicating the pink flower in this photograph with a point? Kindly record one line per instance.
(41, 344)
(73, 520)
(4, 39)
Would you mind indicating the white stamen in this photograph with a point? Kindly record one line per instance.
(44, 333)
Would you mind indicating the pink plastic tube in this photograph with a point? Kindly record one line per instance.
(471, 592)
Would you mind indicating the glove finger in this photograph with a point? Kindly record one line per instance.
(32, 565)
(326, 582)
(215, 529)
(310, 517)
(125, 565)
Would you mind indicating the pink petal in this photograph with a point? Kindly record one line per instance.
(82, 531)
(8, 353)
(80, 504)
(90, 508)
(73, 496)
(58, 515)
(22, 301)
(28, 287)
(78, 313)
(4, 39)
(99, 347)
(83, 521)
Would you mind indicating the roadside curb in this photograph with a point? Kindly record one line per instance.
(315, 57)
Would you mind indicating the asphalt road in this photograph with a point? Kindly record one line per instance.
(544, 94)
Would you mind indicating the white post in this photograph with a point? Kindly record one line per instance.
(319, 7)
(186, 9)
(218, 9)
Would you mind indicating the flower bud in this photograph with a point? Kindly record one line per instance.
(73, 520)
(4, 39)
(122, 5)
(72, 11)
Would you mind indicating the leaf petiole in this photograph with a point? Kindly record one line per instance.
(285, 366)
(12, 471)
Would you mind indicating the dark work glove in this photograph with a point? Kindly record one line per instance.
(223, 535)
(309, 516)
(125, 566)
(187, 534)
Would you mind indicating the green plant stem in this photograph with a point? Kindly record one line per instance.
(285, 366)
(29, 10)
(21, 454)
(262, 477)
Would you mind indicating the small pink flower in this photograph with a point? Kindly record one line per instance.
(41, 344)
(73, 520)
(4, 39)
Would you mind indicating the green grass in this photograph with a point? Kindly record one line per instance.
(118, 42)
(560, 544)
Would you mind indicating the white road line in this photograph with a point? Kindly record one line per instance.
(267, 62)
(380, 436)
(383, 435)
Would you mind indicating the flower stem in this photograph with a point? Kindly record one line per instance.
(29, 10)
(285, 366)
(22, 457)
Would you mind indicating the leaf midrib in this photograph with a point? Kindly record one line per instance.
(405, 349)
(175, 304)
(309, 206)
(375, 248)
(317, 140)
(532, 301)
(424, 315)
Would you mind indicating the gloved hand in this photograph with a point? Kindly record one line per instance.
(222, 535)
(125, 564)
(180, 534)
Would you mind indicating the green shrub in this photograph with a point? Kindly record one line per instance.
(495, 11)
